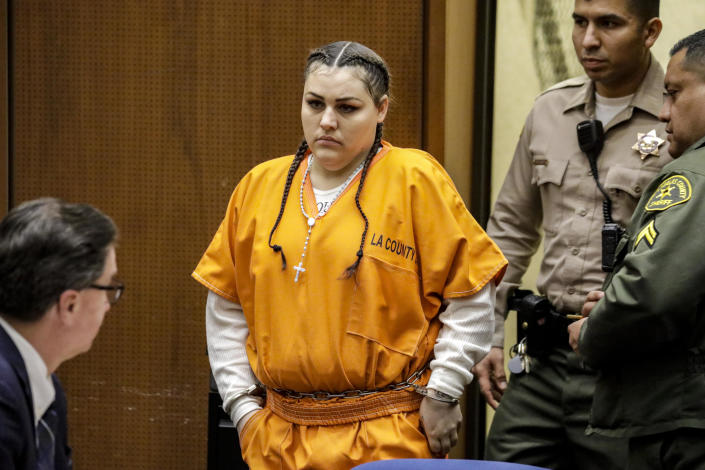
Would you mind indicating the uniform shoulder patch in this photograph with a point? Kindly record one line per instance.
(671, 192)
(648, 234)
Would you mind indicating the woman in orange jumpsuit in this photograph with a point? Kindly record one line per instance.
(359, 300)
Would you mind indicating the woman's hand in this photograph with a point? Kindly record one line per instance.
(441, 422)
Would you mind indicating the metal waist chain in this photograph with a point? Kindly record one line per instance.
(320, 395)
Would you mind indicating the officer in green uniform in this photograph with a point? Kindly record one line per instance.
(647, 333)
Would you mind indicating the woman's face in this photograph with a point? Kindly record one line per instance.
(339, 117)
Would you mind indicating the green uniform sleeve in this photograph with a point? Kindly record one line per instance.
(651, 300)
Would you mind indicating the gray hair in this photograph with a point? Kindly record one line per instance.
(48, 246)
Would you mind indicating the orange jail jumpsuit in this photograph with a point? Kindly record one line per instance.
(332, 334)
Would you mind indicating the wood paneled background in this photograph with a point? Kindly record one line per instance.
(152, 111)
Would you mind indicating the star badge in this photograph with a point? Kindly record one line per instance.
(647, 144)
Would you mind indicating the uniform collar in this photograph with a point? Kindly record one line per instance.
(700, 143)
(40, 382)
(648, 97)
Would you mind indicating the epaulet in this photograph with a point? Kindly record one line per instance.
(570, 83)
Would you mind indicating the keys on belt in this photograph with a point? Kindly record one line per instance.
(520, 362)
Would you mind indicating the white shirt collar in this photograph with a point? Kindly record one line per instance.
(40, 382)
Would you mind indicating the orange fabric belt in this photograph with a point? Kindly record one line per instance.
(316, 412)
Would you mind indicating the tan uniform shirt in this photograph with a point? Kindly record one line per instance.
(549, 190)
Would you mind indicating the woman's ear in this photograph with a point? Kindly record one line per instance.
(382, 108)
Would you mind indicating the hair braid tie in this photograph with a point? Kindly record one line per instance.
(278, 249)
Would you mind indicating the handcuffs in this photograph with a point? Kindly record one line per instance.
(435, 394)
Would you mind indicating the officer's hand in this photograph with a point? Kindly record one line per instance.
(441, 422)
(590, 301)
(243, 421)
(491, 377)
(574, 333)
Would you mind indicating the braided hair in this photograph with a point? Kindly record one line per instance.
(375, 75)
(350, 270)
(300, 153)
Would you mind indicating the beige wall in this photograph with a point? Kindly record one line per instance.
(460, 63)
(517, 81)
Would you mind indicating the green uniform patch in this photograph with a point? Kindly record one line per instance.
(648, 233)
(673, 191)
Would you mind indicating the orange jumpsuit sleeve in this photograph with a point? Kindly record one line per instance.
(216, 269)
(457, 257)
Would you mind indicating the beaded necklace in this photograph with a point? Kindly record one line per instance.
(311, 220)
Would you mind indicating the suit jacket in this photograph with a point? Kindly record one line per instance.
(17, 431)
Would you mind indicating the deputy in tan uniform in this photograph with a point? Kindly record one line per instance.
(550, 191)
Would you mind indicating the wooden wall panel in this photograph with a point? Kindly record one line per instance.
(153, 110)
(434, 71)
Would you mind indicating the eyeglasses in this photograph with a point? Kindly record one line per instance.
(114, 292)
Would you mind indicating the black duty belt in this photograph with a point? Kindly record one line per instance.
(543, 326)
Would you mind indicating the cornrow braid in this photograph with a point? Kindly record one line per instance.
(352, 269)
(289, 178)
(376, 72)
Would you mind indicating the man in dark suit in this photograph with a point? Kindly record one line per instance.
(57, 270)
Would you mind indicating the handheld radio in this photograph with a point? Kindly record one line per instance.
(591, 139)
